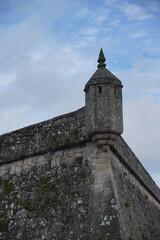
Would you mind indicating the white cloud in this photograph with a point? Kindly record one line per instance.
(138, 34)
(84, 12)
(6, 79)
(100, 19)
(115, 23)
(140, 78)
(110, 2)
(93, 17)
(45, 73)
(142, 111)
(142, 130)
(154, 6)
(38, 74)
(43, 89)
(134, 12)
(90, 31)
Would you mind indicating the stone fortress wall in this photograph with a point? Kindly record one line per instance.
(62, 132)
(67, 179)
(52, 175)
(57, 133)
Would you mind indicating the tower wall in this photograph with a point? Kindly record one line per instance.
(104, 110)
(103, 95)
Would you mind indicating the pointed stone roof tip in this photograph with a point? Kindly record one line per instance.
(102, 74)
(101, 59)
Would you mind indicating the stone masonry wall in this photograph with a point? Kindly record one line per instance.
(59, 133)
(55, 183)
(39, 138)
(139, 210)
(67, 194)
(128, 158)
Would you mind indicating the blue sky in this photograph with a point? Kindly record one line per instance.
(49, 49)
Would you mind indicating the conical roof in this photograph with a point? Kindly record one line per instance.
(102, 74)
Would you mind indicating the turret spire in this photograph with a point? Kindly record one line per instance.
(101, 59)
(103, 92)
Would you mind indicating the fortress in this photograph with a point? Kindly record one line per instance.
(74, 177)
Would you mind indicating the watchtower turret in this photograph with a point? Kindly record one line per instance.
(103, 100)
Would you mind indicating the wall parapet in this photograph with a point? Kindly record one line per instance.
(65, 131)
(53, 134)
(136, 168)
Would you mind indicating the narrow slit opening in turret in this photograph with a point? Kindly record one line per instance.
(100, 89)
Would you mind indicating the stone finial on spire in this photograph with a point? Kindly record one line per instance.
(101, 59)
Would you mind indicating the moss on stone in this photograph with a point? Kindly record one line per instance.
(47, 194)
(4, 225)
(28, 204)
(44, 180)
(1, 181)
(67, 141)
(126, 204)
(151, 231)
(1, 197)
(8, 187)
(144, 237)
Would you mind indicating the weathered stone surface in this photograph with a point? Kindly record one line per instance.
(53, 134)
(63, 195)
(103, 102)
(128, 158)
(138, 208)
(75, 193)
